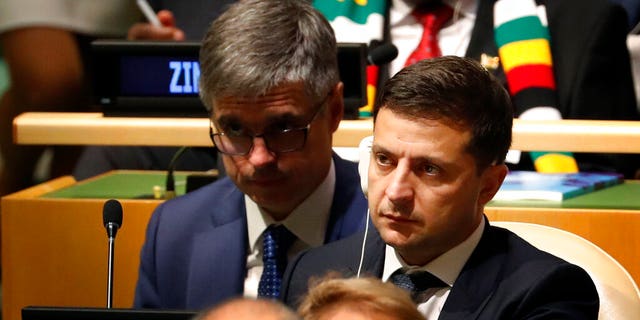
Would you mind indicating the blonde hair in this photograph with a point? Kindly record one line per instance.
(369, 296)
(248, 308)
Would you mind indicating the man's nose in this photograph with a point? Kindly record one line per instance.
(260, 155)
(400, 188)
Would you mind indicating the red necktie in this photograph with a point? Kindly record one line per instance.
(432, 19)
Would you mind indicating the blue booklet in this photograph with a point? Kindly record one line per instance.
(531, 185)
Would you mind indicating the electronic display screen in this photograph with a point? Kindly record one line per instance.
(159, 76)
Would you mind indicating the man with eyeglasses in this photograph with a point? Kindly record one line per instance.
(269, 78)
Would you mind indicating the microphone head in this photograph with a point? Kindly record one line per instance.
(382, 53)
(112, 212)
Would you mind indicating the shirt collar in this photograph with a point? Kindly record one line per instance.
(446, 267)
(308, 221)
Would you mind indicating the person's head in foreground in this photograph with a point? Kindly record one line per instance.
(442, 128)
(357, 298)
(248, 309)
(269, 77)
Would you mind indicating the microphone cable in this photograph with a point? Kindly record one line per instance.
(170, 184)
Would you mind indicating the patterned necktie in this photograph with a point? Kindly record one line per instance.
(416, 283)
(432, 19)
(276, 242)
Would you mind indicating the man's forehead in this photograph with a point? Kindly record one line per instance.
(259, 114)
(289, 97)
(394, 127)
(294, 90)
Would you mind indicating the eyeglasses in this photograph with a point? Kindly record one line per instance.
(281, 141)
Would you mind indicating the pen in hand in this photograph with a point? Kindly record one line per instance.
(148, 13)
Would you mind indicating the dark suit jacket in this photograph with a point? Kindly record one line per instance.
(195, 251)
(505, 278)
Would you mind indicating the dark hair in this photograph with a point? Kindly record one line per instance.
(458, 90)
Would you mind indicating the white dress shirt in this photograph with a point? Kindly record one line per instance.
(446, 267)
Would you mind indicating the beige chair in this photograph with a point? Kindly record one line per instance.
(619, 294)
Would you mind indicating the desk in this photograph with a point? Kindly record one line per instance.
(54, 247)
(61, 128)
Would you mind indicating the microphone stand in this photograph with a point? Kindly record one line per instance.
(112, 220)
(112, 241)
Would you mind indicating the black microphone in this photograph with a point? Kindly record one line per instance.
(381, 53)
(112, 217)
(112, 220)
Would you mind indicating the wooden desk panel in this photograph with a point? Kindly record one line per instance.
(54, 251)
(61, 128)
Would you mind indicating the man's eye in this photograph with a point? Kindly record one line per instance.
(382, 159)
(233, 130)
(279, 127)
(431, 169)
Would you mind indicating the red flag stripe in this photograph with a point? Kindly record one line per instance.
(532, 75)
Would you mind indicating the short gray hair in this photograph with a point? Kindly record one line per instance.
(257, 45)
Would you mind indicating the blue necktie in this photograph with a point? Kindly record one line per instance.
(276, 242)
(416, 283)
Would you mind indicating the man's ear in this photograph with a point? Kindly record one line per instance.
(492, 179)
(336, 106)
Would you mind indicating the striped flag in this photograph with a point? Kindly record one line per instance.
(523, 45)
(357, 21)
(522, 38)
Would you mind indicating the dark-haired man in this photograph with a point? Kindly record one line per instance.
(442, 128)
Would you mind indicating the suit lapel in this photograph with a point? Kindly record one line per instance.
(349, 207)
(475, 284)
(374, 253)
(218, 260)
(477, 280)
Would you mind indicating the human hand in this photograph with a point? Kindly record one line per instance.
(147, 31)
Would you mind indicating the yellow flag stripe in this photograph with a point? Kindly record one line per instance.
(525, 52)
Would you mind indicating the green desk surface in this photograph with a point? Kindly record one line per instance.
(120, 185)
(140, 184)
(623, 196)
(4, 75)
